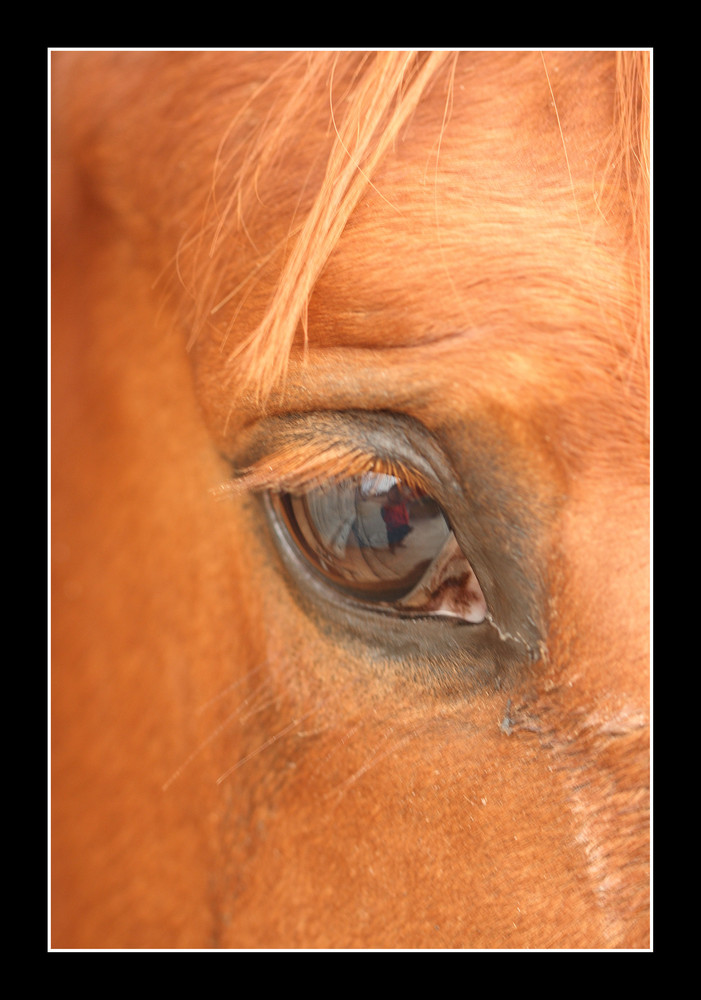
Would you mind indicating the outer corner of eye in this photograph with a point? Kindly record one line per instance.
(382, 544)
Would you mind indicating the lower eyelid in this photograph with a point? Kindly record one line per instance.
(442, 651)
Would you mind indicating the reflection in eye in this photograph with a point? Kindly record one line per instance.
(383, 543)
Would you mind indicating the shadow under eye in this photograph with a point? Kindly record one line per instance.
(384, 544)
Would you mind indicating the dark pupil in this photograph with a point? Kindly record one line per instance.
(372, 536)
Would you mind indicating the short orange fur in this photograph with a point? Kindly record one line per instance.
(239, 237)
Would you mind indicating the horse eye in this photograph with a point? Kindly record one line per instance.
(379, 541)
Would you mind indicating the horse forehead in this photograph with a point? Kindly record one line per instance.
(527, 93)
(489, 207)
(479, 196)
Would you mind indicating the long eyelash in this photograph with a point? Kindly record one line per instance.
(301, 467)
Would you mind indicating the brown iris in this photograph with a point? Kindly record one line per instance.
(383, 542)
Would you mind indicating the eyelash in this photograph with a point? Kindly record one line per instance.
(305, 468)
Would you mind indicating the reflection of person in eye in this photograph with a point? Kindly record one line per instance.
(357, 527)
(395, 514)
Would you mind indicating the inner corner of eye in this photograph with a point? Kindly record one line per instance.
(385, 542)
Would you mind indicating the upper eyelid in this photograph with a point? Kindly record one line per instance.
(315, 449)
(303, 467)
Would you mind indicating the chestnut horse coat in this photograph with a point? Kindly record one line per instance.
(274, 271)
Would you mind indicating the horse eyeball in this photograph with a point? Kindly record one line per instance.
(382, 543)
